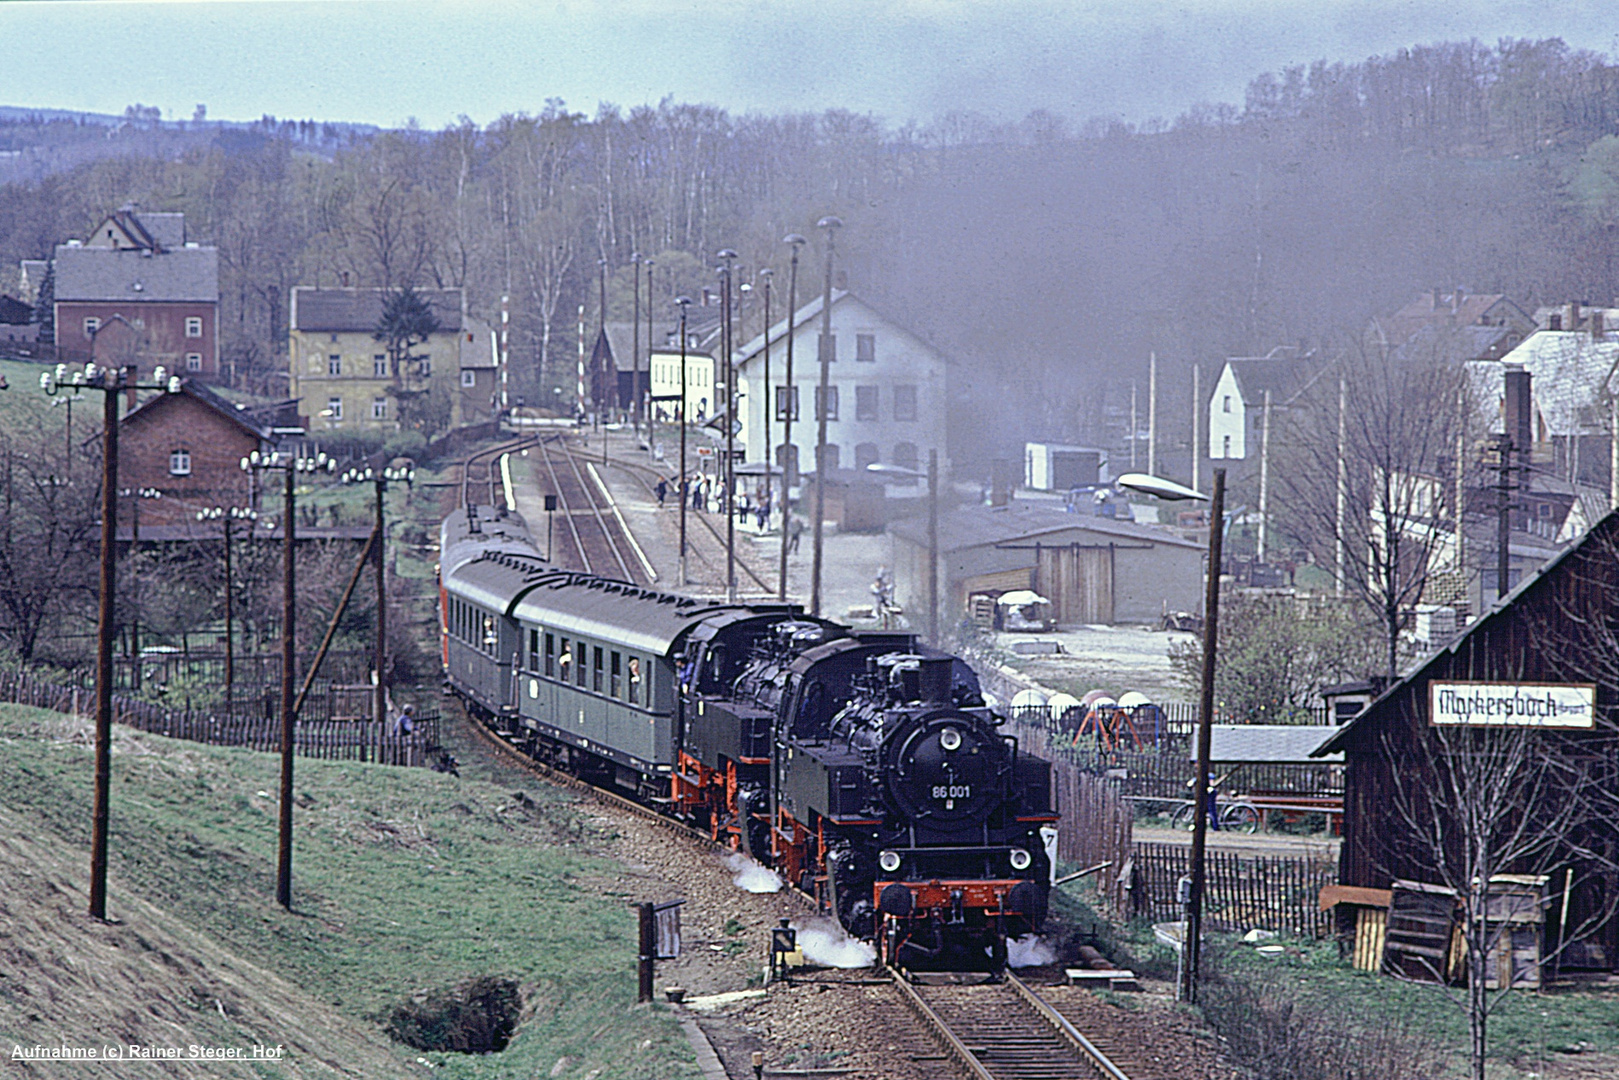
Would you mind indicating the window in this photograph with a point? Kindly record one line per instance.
(833, 455)
(334, 408)
(904, 403)
(831, 403)
(865, 348)
(596, 670)
(1225, 404)
(334, 364)
(426, 368)
(91, 325)
(635, 680)
(865, 403)
(469, 377)
(379, 366)
(379, 408)
(194, 326)
(786, 396)
(828, 347)
(1225, 446)
(616, 671)
(179, 462)
(533, 650)
(865, 454)
(580, 662)
(905, 455)
(193, 361)
(565, 662)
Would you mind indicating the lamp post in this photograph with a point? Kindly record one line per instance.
(290, 466)
(765, 398)
(795, 242)
(111, 382)
(683, 302)
(831, 225)
(135, 495)
(381, 480)
(650, 440)
(635, 342)
(729, 499)
(225, 517)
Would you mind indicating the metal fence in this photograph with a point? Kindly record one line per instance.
(1241, 892)
(343, 740)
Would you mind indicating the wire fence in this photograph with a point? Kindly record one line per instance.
(331, 739)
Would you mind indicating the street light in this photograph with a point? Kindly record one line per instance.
(635, 342)
(290, 466)
(683, 302)
(729, 499)
(381, 480)
(111, 382)
(831, 225)
(795, 242)
(225, 517)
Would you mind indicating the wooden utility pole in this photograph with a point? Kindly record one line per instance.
(1191, 943)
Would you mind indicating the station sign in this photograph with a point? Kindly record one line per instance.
(1486, 704)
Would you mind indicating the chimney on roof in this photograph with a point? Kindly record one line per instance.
(1597, 329)
(708, 296)
(1434, 298)
(1456, 301)
(1517, 426)
(343, 278)
(1573, 322)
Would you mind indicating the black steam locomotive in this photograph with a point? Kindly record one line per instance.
(863, 767)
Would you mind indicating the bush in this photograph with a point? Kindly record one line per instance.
(476, 1017)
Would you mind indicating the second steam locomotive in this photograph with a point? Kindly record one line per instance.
(864, 767)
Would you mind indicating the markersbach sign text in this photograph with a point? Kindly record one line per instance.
(1481, 704)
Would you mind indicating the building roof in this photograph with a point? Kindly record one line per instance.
(1458, 344)
(200, 393)
(984, 526)
(356, 310)
(780, 329)
(137, 276)
(1487, 622)
(1268, 744)
(14, 312)
(622, 340)
(1285, 373)
(1458, 308)
(478, 347)
(1572, 373)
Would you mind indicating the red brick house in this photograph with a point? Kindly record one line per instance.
(140, 267)
(189, 447)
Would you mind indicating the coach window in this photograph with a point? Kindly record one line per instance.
(580, 662)
(564, 661)
(635, 680)
(615, 672)
(550, 654)
(596, 671)
(489, 640)
(533, 650)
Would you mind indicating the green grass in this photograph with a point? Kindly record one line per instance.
(403, 880)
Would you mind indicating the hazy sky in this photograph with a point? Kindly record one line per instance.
(382, 61)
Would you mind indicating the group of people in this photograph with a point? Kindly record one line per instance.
(704, 493)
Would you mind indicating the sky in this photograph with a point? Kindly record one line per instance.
(387, 61)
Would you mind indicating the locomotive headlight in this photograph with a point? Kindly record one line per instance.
(889, 861)
(950, 739)
(1021, 859)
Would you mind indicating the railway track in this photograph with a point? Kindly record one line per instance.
(1008, 1031)
(601, 543)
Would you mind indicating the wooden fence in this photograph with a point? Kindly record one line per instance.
(1242, 891)
(341, 740)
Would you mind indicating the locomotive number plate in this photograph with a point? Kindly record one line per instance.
(953, 791)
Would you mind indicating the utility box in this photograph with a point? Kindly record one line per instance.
(1049, 467)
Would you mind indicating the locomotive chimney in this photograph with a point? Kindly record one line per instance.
(935, 681)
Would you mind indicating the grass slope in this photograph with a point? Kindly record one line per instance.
(404, 880)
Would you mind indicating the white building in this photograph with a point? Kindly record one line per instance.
(887, 390)
(1237, 408)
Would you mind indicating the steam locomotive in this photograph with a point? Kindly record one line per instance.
(864, 767)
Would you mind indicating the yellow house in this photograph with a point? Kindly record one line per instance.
(664, 368)
(341, 374)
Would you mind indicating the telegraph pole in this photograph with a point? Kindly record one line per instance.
(791, 394)
(1192, 941)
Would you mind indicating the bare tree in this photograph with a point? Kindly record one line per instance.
(1368, 471)
(49, 522)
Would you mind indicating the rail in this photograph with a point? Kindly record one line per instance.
(1098, 1060)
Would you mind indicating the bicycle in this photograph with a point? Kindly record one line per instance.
(1235, 816)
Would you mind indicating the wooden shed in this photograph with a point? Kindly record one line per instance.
(1507, 732)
